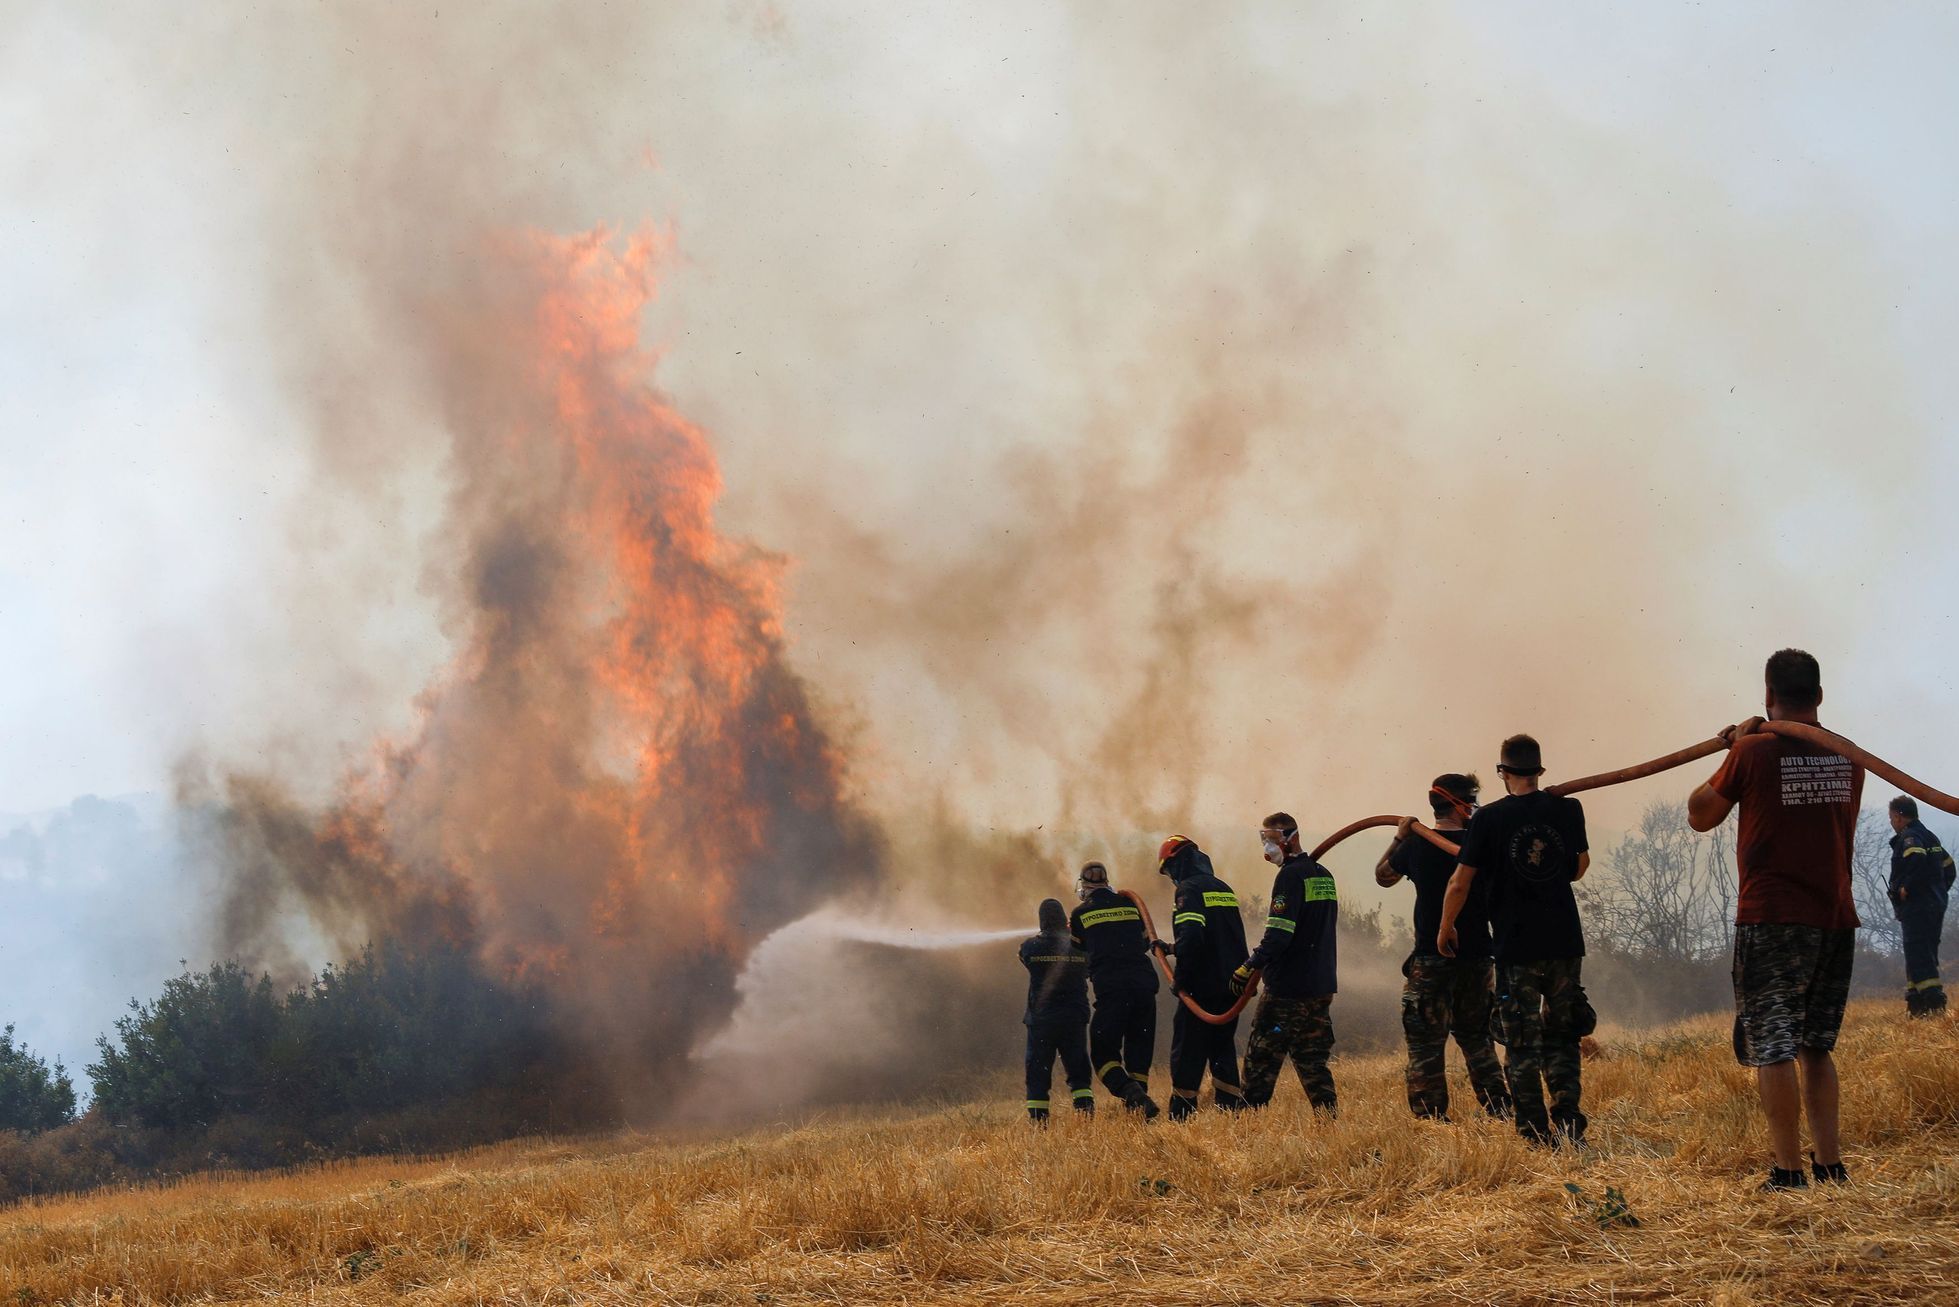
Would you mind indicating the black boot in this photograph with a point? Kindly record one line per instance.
(1136, 1099)
(1182, 1108)
(1780, 1179)
(1834, 1173)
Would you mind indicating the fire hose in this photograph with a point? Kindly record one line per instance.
(1813, 735)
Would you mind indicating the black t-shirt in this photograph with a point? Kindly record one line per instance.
(1526, 846)
(1428, 869)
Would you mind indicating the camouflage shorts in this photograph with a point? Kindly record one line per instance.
(1791, 983)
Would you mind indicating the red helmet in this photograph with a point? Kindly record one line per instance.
(1169, 847)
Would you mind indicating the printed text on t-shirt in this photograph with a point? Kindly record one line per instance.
(1815, 778)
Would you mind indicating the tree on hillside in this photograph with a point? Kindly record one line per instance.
(1665, 892)
(33, 1096)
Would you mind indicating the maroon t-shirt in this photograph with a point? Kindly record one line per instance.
(1798, 821)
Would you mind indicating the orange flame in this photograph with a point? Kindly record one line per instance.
(619, 785)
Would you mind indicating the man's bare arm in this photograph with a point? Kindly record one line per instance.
(1584, 865)
(1706, 809)
(1384, 875)
(1452, 905)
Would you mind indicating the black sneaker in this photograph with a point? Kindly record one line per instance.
(1780, 1179)
(1834, 1173)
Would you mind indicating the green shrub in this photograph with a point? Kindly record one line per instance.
(389, 1031)
(33, 1096)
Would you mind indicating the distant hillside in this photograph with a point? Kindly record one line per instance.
(96, 908)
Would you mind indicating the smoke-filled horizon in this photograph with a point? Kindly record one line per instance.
(1053, 427)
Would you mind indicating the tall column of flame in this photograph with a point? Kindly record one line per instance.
(618, 786)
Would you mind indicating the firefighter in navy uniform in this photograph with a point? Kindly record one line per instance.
(1122, 1033)
(1299, 961)
(1057, 1013)
(1210, 945)
(1921, 884)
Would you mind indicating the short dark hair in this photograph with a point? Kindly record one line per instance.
(1463, 785)
(1522, 756)
(1794, 679)
(1281, 821)
(1905, 806)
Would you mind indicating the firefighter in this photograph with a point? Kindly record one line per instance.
(1122, 1033)
(1921, 883)
(1444, 996)
(1298, 958)
(1057, 1013)
(1210, 945)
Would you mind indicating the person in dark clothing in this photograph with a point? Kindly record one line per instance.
(1298, 962)
(1532, 846)
(1921, 884)
(1210, 943)
(1122, 1033)
(1057, 1013)
(1445, 996)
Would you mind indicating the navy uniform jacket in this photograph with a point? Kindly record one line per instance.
(1210, 939)
(1299, 953)
(1920, 867)
(1057, 979)
(1109, 928)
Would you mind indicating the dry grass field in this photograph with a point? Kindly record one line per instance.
(968, 1204)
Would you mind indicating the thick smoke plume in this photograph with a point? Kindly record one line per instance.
(618, 786)
(1174, 416)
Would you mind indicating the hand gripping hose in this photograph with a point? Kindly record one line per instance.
(1808, 734)
(1197, 1009)
(1803, 731)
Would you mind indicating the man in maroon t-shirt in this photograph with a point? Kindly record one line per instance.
(1795, 924)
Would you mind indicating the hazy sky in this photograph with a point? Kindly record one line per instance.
(1693, 266)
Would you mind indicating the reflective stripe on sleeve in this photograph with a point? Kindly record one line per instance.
(1182, 917)
(1280, 923)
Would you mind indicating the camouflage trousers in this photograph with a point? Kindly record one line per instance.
(1299, 1028)
(1440, 998)
(1545, 1014)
